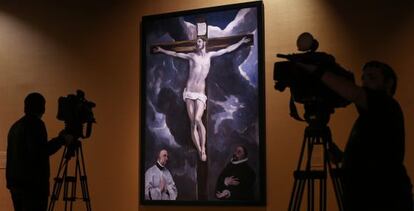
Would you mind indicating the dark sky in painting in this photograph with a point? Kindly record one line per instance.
(220, 19)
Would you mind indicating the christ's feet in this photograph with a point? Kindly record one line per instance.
(203, 156)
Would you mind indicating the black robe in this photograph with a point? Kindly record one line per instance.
(246, 177)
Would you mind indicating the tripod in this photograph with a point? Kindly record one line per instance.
(69, 182)
(306, 174)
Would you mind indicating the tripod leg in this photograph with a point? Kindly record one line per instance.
(74, 182)
(57, 186)
(334, 174)
(310, 180)
(323, 191)
(65, 187)
(69, 184)
(296, 196)
(302, 152)
(322, 196)
(293, 199)
(70, 188)
(337, 184)
(297, 193)
(300, 181)
(84, 182)
(301, 190)
(311, 205)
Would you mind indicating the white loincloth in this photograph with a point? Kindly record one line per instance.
(195, 96)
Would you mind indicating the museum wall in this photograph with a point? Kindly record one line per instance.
(57, 48)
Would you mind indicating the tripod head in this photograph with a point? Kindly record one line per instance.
(71, 148)
(76, 130)
(317, 115)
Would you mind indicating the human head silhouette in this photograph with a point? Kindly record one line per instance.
(34, 103)
(378, 75)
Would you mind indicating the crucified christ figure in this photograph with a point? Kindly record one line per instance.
(194, 93)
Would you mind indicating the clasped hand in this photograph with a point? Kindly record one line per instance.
(231, 181)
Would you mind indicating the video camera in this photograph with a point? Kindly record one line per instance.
(304, 87)
(75, 111)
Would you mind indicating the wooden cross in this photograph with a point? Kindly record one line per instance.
(213, 44)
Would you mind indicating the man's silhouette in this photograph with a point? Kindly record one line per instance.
(374, 174)
(28, 151)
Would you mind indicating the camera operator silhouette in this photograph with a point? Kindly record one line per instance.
(373, 171)
(194, 93)
(28, 151)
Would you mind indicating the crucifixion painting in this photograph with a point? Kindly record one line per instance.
(194, 92)
(202, 90)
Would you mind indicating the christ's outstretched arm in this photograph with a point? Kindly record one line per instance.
(230, 48)
(158, 49)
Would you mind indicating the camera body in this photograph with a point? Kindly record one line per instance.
(75, 110)
(304, 87)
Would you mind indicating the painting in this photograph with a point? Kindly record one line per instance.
(202, 126)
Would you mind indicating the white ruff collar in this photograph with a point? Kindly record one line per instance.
(160, 164)
(239, 161)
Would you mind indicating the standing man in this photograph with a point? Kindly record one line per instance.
(28, 151)
(236, 181)
(159, 184)
(194, 93)
(374, 174)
